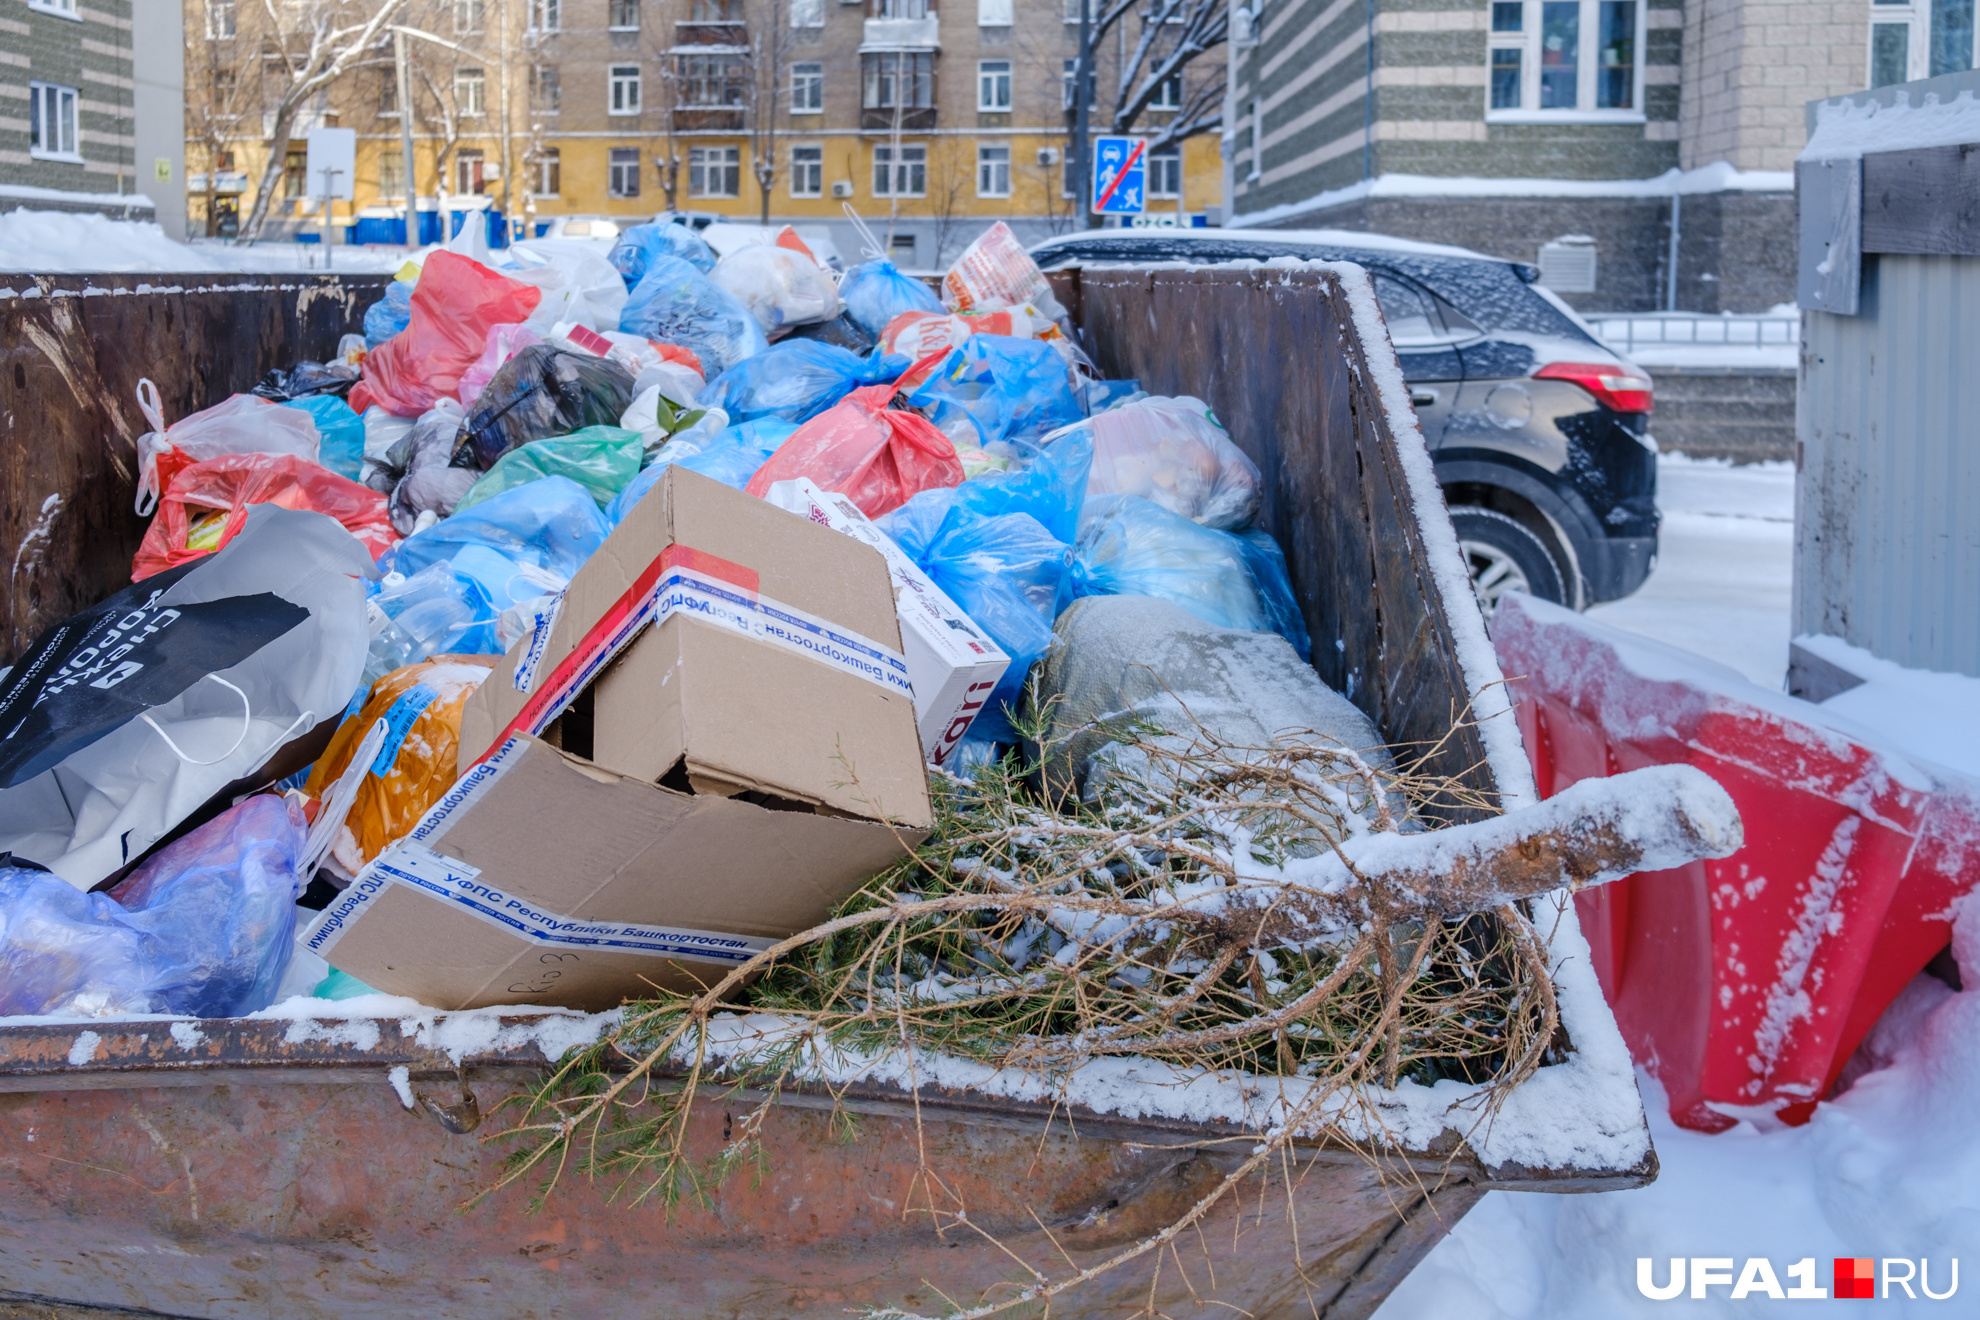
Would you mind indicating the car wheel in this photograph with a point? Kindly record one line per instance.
(1504, 555)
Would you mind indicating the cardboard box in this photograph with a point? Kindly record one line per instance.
(709, 746)
(952, 663)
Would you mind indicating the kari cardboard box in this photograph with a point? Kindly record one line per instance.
(708, 745)
(952, 663)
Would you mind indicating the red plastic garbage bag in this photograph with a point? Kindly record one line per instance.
(454, 305)
(207, 504)
(878, 457)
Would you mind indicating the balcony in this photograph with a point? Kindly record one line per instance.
(709, 119)
(918, 120)
(902, 34)
(703, 32)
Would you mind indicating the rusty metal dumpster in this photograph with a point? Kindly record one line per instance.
(318, 1166)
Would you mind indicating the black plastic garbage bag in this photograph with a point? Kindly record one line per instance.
(841, 332)
(307, 378)
(542, 391)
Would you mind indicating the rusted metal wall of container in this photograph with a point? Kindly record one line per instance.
(72, 349)
(1887, 498)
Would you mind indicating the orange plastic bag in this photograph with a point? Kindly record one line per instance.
(421, 706)
(993, 273)
(454, 305)
(206, 506)
(925, 336)
(876, 456)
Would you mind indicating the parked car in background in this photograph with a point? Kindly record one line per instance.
(598, 228)
(1540, 435)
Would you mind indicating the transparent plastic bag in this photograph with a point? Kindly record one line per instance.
(1176, 453)
(995, 272)
(992, 388)
(242, 424)
(781, 288)
(674, 303)
(455, 303)
(504, 342)
(542, 391)
(640, 246)
(389, 314)
(206, 506)
(418, 469)
(340, 433)
(794, 381)
(1129, 546)
(203, 927)
(516, 545)
(434, 610)
(875, 292)
(602, 459)
(421, 706)
(875, 455)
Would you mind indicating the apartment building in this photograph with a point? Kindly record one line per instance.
(1639, 151)
(930, 121)
(78, 90)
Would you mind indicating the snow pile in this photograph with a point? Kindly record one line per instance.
(1891, 1168)
(1932, 716)
(1846, 128)
(57, 242)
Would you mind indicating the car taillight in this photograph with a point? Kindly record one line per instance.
(1613, 386)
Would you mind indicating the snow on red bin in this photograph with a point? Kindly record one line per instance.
(1745, 983)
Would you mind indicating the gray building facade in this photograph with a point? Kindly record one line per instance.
(68, 105)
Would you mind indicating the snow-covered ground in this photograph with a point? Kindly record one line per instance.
(47, 242)
(1889, 1169)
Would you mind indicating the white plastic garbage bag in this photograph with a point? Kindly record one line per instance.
(114, 793)
(780, 287)
(578, 283)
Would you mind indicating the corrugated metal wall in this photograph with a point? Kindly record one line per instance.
(1887, 499)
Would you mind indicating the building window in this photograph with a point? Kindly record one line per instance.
(715, 171)
(1890, 53)
(1557, 58)
(388, 94)
(546, 15)
(550, 172)
(295, 170)
(807, 88)
(910, 9)
(471, 173)
(624, 178)
(807, 13)
(1919, 39)
(807, 171)
(711, 80)
(993, 86)
(623, 15)
(1068, 77)
(546, 90)
(624, 83)
(1952, 37)
(220, 18)
(1165, 171)
(903, 177)
(716, 11)
(391, 175)
(468, 15)
(470, 91)
(1257, 139)
(66, 8)
(993, 13)
(903, 79)
(993, 171)
(1168, 96)
(52, 121)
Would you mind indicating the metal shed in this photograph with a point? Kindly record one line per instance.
(1887, 492)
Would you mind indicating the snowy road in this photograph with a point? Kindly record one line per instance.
(1890, 1169)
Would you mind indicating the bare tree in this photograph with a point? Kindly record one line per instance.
(314, 42)
(949, 189)
(441, 111)
(216, 103)
(769, 58)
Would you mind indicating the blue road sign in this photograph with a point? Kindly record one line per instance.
(1120, 175)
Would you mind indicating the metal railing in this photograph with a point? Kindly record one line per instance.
(1696, 330)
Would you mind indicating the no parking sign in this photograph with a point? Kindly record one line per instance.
(1120, 175)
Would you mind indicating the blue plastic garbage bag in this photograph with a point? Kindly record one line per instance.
(1047, 481)
(340, 431)
(875, 292)
(731, 458)
(511, 542)
(676, 304)
(795, 380)
(432, 612)
(637, 248)
(1004, 387)
(1008, 573)
(1129, 546)
(205, 926)
(389, 314)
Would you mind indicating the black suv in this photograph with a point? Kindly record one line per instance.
(1538, 432)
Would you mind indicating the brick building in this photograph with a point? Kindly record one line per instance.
(1597, 138)
(76, 86)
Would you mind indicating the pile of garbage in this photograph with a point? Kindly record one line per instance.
(513, 654)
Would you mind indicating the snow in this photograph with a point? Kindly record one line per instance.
(53, 242)
(25, 193)
(1716, 177)
(1725, 565)
(1931, 715)
(1846, 128)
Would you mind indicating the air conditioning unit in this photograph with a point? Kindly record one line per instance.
(842, 188)
(1567, 265)
(1048, 155)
